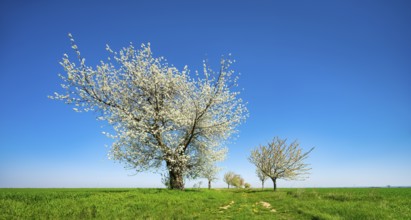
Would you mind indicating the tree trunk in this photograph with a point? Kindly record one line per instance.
(228, 186)
(275, 183)
(262, 185)
(176, 177)
(209, 184)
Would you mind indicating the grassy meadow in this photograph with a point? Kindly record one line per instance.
(319, 203)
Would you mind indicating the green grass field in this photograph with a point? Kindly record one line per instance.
(335, 203)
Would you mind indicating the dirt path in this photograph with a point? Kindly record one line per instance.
(266, 205)
(227, 206)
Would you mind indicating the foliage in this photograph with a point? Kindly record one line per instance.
(279, 160)
(247, 185)
(262, 177)
(237, 181)
(160, 115)
(228, 178)
(335, 203)
(233, 179)
(210, 171)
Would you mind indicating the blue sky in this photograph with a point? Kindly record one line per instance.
(333, 74)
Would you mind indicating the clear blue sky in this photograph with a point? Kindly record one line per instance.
(333, 74)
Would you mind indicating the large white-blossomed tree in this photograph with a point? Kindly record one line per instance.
(162, 116)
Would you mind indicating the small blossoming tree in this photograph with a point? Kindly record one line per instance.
(237, 181)
(210, 172)
(280, 160)
(228, 178)
(162, 116)
(262, 177)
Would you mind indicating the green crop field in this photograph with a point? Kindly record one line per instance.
(334, 203)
